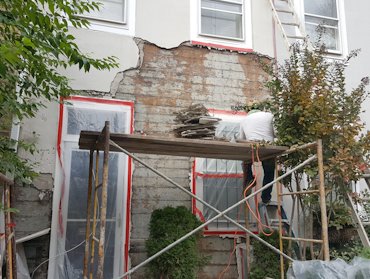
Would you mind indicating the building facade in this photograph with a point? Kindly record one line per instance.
(172, 54)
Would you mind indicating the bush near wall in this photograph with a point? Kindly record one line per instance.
(182, 261)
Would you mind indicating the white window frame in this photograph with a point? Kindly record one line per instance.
(239, 44)
(124, 27)
(224, 11)
(342, 50)
(197, 185)
(67, 144)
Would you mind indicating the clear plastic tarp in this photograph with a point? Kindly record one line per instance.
(68, 245)
(358, 268)
(219, 182)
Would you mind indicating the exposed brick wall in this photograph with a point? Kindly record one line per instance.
(34, 203)
(167, 81)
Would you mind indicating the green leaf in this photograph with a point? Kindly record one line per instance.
(27, 42)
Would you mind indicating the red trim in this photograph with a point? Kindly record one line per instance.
(227, 112)
(128, 213)
(219, 46)
(59, 153)
(219, 175)
(193, 184)
(101, 101)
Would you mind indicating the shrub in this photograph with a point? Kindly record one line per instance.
(182, 261)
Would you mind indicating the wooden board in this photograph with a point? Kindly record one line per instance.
(240, 150)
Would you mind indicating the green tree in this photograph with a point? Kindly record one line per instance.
(35, 42)
(310, 101)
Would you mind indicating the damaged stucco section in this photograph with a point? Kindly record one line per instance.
(165, 81)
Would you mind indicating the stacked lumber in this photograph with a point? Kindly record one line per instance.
(195, 122)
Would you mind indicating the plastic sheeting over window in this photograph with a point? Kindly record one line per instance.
(220, 182)
(68, 232)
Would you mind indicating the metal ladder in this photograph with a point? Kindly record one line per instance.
(286, 18)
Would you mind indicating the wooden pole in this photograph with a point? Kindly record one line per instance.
(95, 201)
(103, 207)
(324, 219)
(9, 235)
(88, 213)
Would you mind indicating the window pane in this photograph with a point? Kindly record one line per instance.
(93, 120)
(321, 21)
(221, 24)
(222, 193)
(329, 36)
(227, 130)
(231, 7)
(74, 259)
(79, 182)
(110, 10)
(321, 7)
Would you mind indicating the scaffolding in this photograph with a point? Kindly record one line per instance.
(9, 234)
(128, 144)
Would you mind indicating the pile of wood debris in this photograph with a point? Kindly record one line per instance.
(195, 122)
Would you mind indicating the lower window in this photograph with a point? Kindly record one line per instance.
(220, 182)
(67, 244)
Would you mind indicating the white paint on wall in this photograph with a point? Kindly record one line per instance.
(98, 45)
(262, 25)
(42, 130)
(357, 24)
(164, 23)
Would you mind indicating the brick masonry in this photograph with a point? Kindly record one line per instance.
(34, 204)
(169, 80)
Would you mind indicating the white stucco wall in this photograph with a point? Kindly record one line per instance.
(358, 24)
(165, 23)
(262, 26)
(42, 130)
(101, 44)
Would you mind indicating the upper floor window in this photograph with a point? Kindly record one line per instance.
(222, 18)
(114, 16)
(326, 14)
(111, 11)
(223, 24)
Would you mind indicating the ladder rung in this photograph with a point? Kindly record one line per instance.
(366, 223)
(290, 23)
(302, 239)
(296, 37)
(300, 193)
(284, 11)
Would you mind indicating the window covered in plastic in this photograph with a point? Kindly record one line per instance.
(220, 182)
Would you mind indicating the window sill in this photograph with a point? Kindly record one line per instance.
(221, 46)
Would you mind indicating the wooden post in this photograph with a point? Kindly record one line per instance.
(87, 234)
(11, 270)
(103, 207)
(95, 202)
(324, 219)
